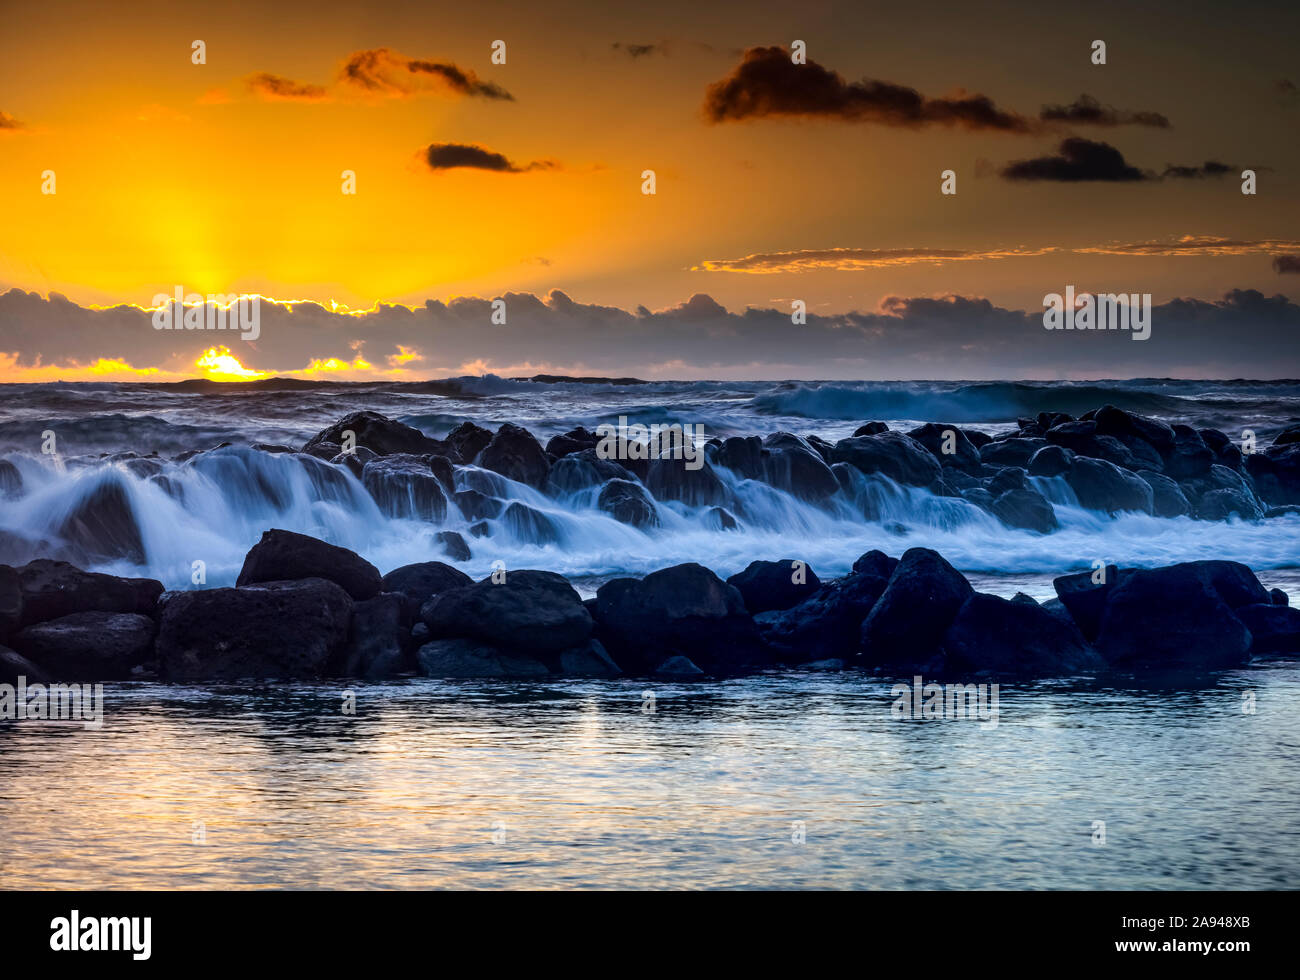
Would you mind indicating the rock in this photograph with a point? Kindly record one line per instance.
(11, 481)
(1170, 617)
(628, 503)
(782, 460)
(380, 434)
(1100, 485)
(1084, 596)
(53, 589)
(102, 526)
(980, 497)
(516, 455)
(355, 461)
(583, 469)
(906, 626)
(937, 438)
(376, 639)
(1083, 439)
(1235, 583)
(1278, 598)
(671, 479)
(421, 581)
(88, 646)
(529, 525)
(478, 506)
(1011, 452)
(1190, 456)
(282, 556)
(1276, 472)
(828, 624)
(830, 664)
(273, 630)
(453, 545)
(1026, 509)
(405, 486)
(1273, 628)
(1219, 477)
(1015, 637)
(678, 669)
(1167, 497)
(769, 585)
(719, 519)
(11, 601)
(1050, 461)
(531, 612)
(1112, 421)
(573, 441)
(589, 660)
(326, 450)
(870, 429)
(1008, 478)
(458, 657)
(1288, 436)
(685, 610)
(1219, 505)
(466, 441)
(892, 454)
(14, 665)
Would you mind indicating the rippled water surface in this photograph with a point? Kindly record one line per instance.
(488, 785)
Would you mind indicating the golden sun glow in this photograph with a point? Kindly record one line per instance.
(221, 365)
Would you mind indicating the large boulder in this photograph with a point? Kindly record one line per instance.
(1015, 451)
(88, 646)
(588, 660)
(377, 637)
(530, 525)
(466, 441)
(782, 460)
(1273, 628)
(950, 446)
(11, 600)
(1276, 471)
(421, 581)
(574, 441)
(273, 630)
(462, 658)
(1167, 497)
(1189, 456)
(1050, 461)
(51, 589)
(406, 486)
(583, 469)
(1083, 439)
(286, 555)
(530, 612)
(1112, 421)
(1173, 617)
(1025, 508)
(1004, 636)
(828, 624)
(628, 503)
(769, 585)
(380, 434)
(892, 454)
(102, 525)
(14, 665)
(11, 481)
(1084, 596)
(906, 626)
(516, 455)
(684, 610)
(685, 482)
(1100, 485)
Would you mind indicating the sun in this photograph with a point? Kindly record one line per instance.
(221, 365)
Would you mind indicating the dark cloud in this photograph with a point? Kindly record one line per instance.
(1076, 159)
(766, 84)
(270, 86)
(1211, 168)
(451, 156)
(1287, 265)
(1087, 111)
(1243, 334)
(1287, 91)
(9, 123)
(635, 51)
(382, 71)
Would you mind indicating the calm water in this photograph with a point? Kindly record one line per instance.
(581, 788)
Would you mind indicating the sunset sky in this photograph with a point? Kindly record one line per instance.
(775, 182)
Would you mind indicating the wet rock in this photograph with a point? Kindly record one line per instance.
(1103, 486)
(377, 637)
(102, 524)
(1167, 497)
(583, 469)
(906, 626)
(1201, 490)
(589, 660)
(11, 601)
(828, 624)
(1112, 421)
(1000, 636)
(678, 668)
(1083, 439)
(1190, 456)
(1288, 436)
(683, 610)
(891, 454)
(1219, 505)
(628, 503)
(52, 589)
(405, 486)
(1278, 598)
(286, 555)
(328, 451)
(531, 612)
(1015, 451)
(573, 441)
(530, 525)
(88, 646)
(466, 441)
(516, 455)
(769, 585)
(1050, 461)
(1027, 509)
(11, 481)
(273, 630)
(1276, 472)
(355, 461)
(720, 519)
(421, 581)
(870, 429)
(453, 545)
(937, 437)
(782, 460)
(1009, 478)
(476, 506)
(14, 665)
(1084, 596)
(671, 479)
(458, 657)
(1273, 628)
(378, 433)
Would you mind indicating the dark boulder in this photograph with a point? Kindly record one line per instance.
(11, 600)
(892, 454)
(476, 506)
(1276, 472)
(1112, 421)
(88, 646)
(1015, 451)
(377, 637)
(1009, 478)
(1189, 456)
(1050, 461)
(949, 445)
(1167, 497)
(282, 556)
(628, 503)
(102, 526)
(677, 669)
(1278, 598)
(870, 429)
(1084, 596)
(273, 630)
(378, 433)
(458, 657)
(453, 545)
(583, 469)
(516, 455)
(421, 581)
(589, 660)
(768, 585)
(1083, 439)
(1027, 509)
(11, 481)
(1219, 505)
(530, 525)
(828, 624)
(14, 665)
(1103, 486)
(466, 441)
(573, 441)
(906, 626)
(720, 519)
(685, 610)
(1001, 636)
(52, 589)
(1273, 628)
(406, 486)
(673, 479)
(531, 612)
